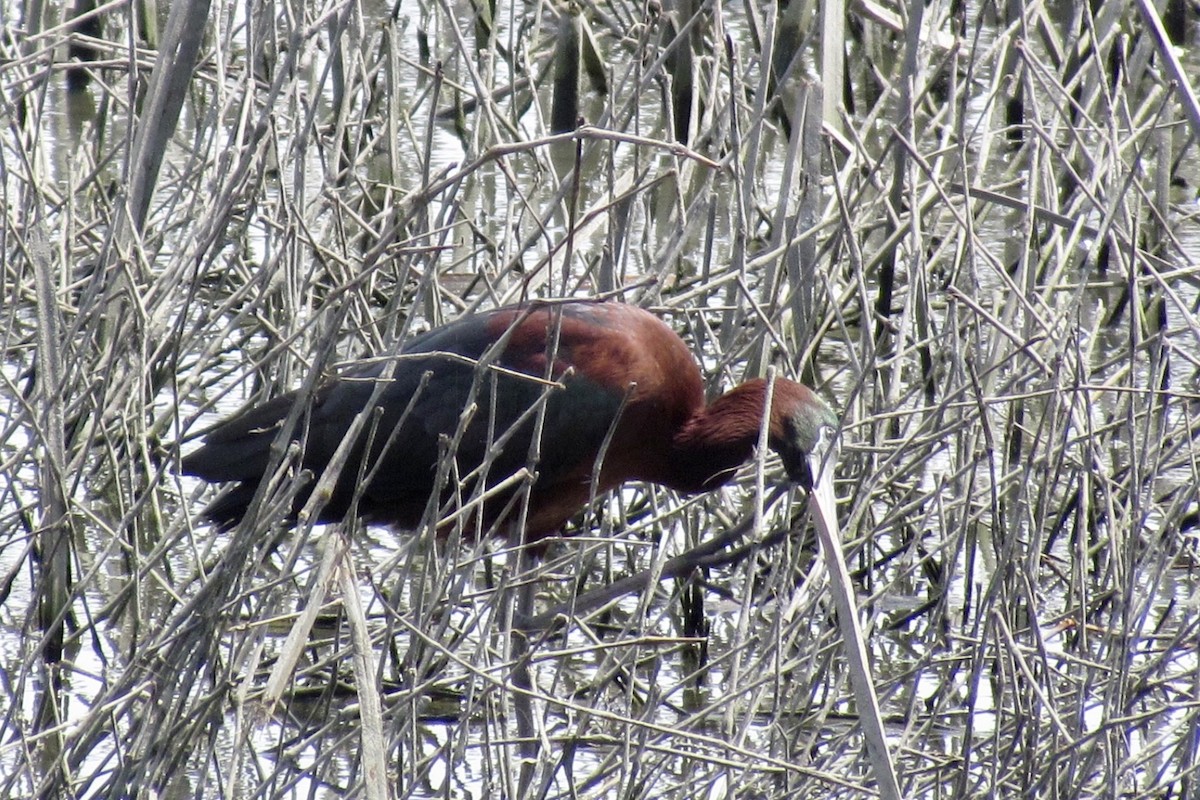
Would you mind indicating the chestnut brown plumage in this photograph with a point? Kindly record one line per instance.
(621, 394)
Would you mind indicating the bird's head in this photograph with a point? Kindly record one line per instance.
(807, 443)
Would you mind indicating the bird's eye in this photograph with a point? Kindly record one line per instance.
(828, 442)
(826, 449)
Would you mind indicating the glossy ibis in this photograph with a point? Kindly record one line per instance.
(586, 396)
(616, 393)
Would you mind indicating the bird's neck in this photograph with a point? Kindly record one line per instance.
(710, 447)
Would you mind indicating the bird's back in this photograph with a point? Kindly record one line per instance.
(568, 370)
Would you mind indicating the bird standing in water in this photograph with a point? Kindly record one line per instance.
(586, 396)
(616, 394)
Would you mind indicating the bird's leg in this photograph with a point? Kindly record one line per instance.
(519, 657)
(715, 552)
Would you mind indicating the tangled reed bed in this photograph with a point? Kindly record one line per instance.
(984, 251)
